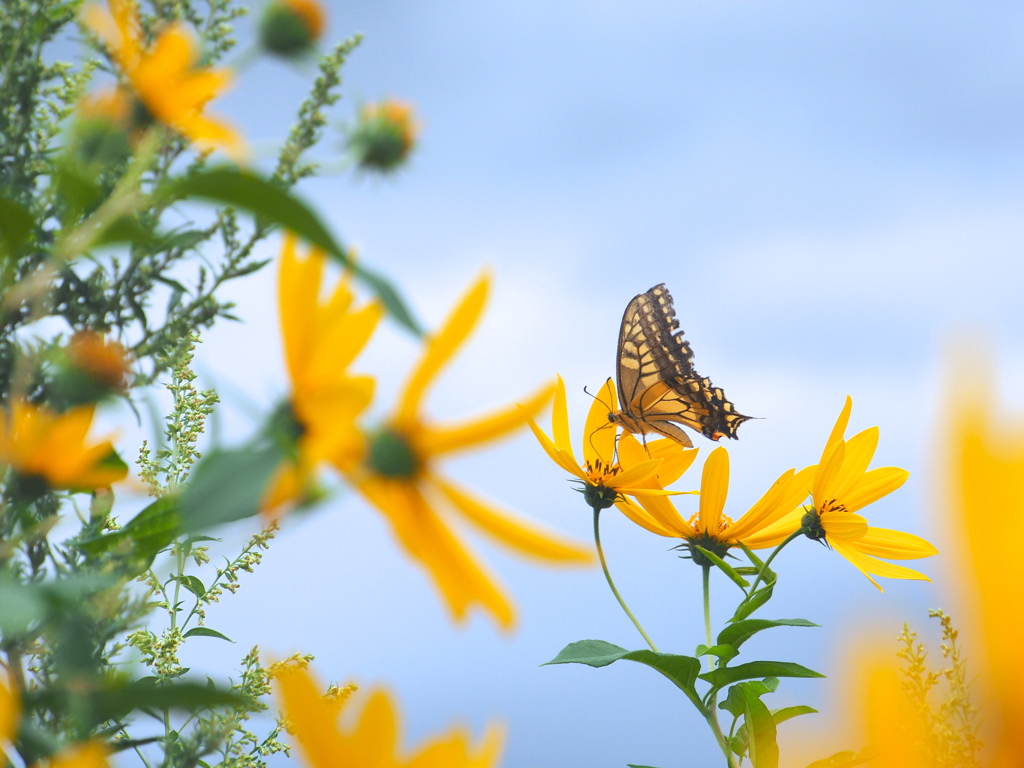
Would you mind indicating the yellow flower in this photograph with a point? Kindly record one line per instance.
(41, 443)
(710, 528)
(372, 740)
(398, 475)
(604, 479)
(321, 338)
(88, 754)
(165, 77)
(986, 499)
(842, 486)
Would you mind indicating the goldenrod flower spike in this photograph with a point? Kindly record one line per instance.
(39, 442)
(372, 739)
(321, 338)
(398, 475)
(165, 77)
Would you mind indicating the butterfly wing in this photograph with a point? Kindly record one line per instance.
(656, 380)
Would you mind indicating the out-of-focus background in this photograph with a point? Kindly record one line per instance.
(832, 192)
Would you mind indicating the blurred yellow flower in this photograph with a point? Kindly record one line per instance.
(38, 442)
(105, 361)
(321, 338)
(842, 486)
(710, 528)
(398, 475)
(372, 740)
(986, 502)
(164, 77)
(604, 479)
(384, 136)
(291, 27)
(88, 754)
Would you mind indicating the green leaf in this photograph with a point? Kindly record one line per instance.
(193, 585)
(725, 652)
(738, 633)
(681, 670)
(725, 568)
(228, 485)
(15, 225)
(719, 678)
(788, 713)
(760, 727)
(273, 205)
(752, 603)
(154, 528)
(206, 632)
(631, 765)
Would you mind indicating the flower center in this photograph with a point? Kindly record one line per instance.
(391, 455)
(600, 470)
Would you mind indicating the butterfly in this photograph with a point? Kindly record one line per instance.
(658, 387)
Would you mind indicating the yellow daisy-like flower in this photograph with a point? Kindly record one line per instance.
(842, 486)
(41, 443)
(321, 338)
(88, 754)
(372, 741)
(710, 528)
(399, 476)
(165, 77)
(605, 480)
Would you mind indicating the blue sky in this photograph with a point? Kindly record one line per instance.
(832, 192)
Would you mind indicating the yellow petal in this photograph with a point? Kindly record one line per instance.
(559, 457)
(471, 433)
(774, 534)
(10, 713)
(839, 430)
(513, 531)
(776, 501)
(714, 487)
(858, 452)
(894, 545)
(560, 420)
(89, 754)
(643, 518)
(634, 476)
(313, 722)
(375, 736)
(823, 487)
(844, 526)
(598, 432)
(870, 566)
(873, 486)
(459, 577)
(441, 348)
(664, 513)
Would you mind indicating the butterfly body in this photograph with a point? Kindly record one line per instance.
(657, 386)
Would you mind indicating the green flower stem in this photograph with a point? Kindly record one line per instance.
(608, 576)
(771, 557)
(712, 706)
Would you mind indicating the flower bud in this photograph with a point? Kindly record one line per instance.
(89, 369)
(291, 27)
(384, 136)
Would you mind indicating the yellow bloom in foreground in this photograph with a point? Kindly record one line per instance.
(165, 77)
(321, 338)
(710, 528)
(371, 741)
(398, 475)
(842, 486)
(41, 443)
(604, 479)
(986, 495)
(89, 754)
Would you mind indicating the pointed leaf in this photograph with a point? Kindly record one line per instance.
(193, 585)
(752, 603)
(725, 568)
(228, 485)
(273, 205)
(760, 728)
(206, 632)
(739, 632)
(681, 670)
(788, 713)
(719, 678)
